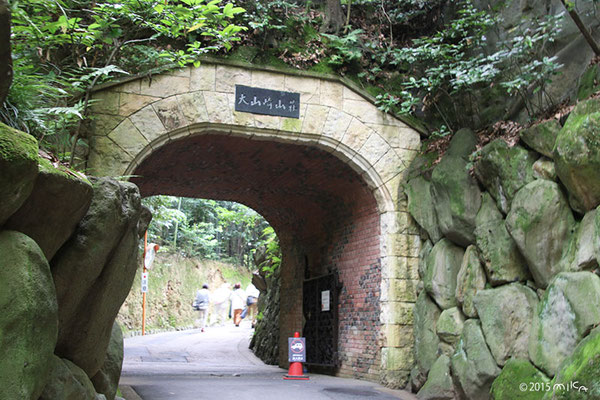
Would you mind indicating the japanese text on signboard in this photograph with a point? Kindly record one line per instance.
(296, 349)
(267, 102)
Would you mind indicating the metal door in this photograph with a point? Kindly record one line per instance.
(320, 308)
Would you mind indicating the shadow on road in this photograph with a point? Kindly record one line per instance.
(217, 365)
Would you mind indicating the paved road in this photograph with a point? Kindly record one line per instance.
(217, 365)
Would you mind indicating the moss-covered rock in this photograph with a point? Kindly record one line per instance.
(106, 381)
(589, 83)
(579, 372)
(442, 268)
(516, 375)
(94, 271)
(28, 322)
(506, 315)
(426, 247)
(426, 314)
(457, 198)
(566, 313)
(544, 169)
(541, 223)
(577, 155)
(596, 238)
(68, 382)
(502, 259)
(462, 144)
(581, 255)
(470, 280)
(503, 170)
(450, 325)
(541, 137)
(18, 169)
(421, 206)
(473, 366)
(58, 201)
(439, 385)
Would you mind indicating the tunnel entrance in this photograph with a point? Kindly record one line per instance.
(324, 214)
(328, 179)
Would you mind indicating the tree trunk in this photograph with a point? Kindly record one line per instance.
(334, 17)
(6, 72)
(584, 31)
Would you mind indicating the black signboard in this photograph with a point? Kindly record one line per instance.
(267, 101)
(296, 349)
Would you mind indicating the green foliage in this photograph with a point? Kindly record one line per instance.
(209, 229)
(450, 68)
(62, 48)
(272, 252)
(345, 50)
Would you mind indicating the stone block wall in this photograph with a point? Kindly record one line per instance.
(510, 290)
(181, 112)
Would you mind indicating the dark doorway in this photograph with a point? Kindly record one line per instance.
(320, 308)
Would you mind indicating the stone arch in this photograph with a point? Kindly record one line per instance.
(138, 119)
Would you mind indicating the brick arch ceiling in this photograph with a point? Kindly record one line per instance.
(298, 189)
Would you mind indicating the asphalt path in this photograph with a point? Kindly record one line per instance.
(217, 365)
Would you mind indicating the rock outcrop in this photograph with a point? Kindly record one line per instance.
(502, 259)
(473, 366)
(426, 315)
(506, 315)
(443, 264)
(92, 281)
(439, 384)
(577, 155)
(68, 382)
(421, 207)
(519, 374)
(106, 379)
(541, 223)
(28, 322)
(567, 312)
(455, 192)
(470, 280)
(527, 281)
(579, 372)
(504, 170)
(19, 166)
(58, 201)
(68, 255)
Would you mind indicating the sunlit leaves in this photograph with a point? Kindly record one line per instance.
(64, 47)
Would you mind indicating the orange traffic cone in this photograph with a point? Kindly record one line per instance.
(296, 371)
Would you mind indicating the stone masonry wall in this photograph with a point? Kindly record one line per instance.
(138, 118)
(509, 301)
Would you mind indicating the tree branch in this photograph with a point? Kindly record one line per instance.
(584, 31)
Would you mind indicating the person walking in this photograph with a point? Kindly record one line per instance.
(252, 302)
(202, 304)
(220, 304)
(238, 301)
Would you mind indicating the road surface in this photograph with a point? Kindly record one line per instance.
(217, 365)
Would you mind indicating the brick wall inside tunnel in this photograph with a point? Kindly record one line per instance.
(319, 206)
(353, 251)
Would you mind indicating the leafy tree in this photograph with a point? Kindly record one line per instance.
(210, 229)
(5, 51)
(272, 251)
(63, 48)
